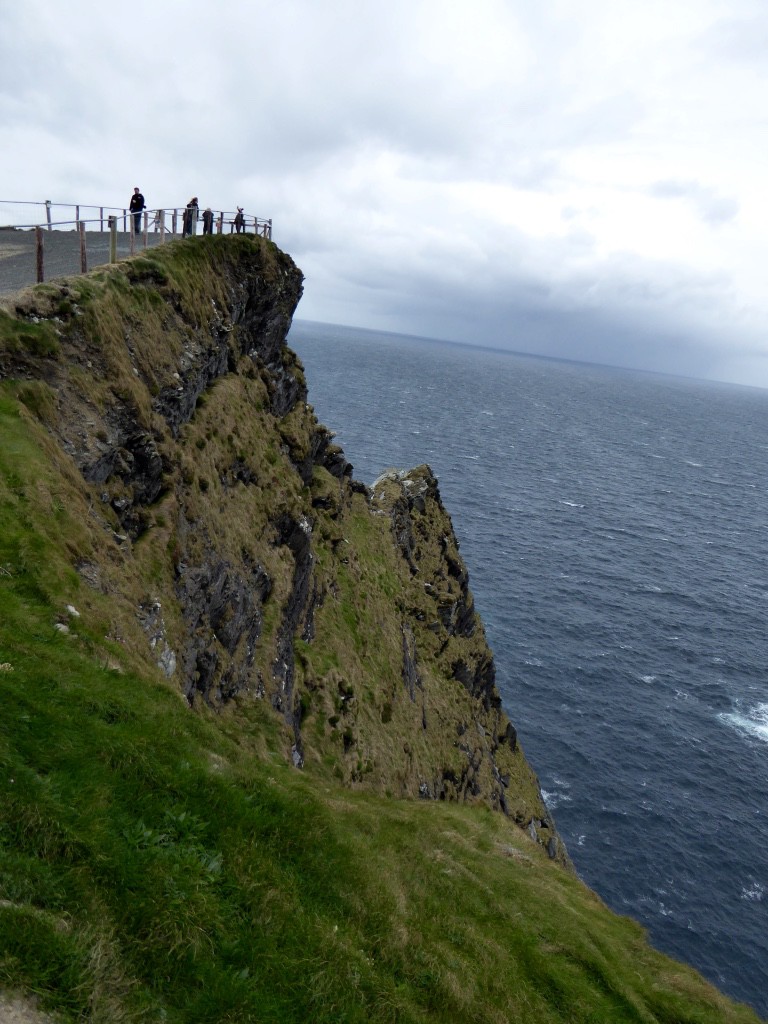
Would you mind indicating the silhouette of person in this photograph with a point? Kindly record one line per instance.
(207, 221)
(189, 225)
(136, 206)
(239, 220)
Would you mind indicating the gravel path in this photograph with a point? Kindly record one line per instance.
(15, 1010)
(18, 261)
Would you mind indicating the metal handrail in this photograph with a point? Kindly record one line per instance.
(157, 224)
(260, 225)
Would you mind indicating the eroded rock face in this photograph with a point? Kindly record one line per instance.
(223, 611)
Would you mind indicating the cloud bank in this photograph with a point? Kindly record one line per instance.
(568, 178)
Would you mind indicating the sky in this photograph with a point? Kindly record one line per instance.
(574, 178)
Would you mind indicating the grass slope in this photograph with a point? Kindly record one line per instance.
(163, 864)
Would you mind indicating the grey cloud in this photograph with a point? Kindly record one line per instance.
(710, 205)
(363, 139)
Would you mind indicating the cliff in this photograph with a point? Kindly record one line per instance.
(217, 647)
(227, 526)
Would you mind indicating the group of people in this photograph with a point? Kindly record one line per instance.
(189, 219)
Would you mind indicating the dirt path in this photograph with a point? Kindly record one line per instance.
(15, 1010)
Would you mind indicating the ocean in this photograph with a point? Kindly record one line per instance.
(615, 528)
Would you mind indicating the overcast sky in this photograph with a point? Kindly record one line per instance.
(579, 178)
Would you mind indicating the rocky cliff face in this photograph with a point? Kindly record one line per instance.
(240, 558)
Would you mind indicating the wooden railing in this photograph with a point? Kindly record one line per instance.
(162, 224)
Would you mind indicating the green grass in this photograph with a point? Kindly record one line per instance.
(36, 339)
(162, 865)
(165, 864)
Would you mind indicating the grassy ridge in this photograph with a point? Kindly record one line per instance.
(162, 865)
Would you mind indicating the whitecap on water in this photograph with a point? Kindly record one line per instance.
(753, 722)
(552, 799)
(754, 892)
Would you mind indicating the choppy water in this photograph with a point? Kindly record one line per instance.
(615, 526)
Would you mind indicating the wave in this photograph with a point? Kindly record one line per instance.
(753, 723)
(754, 893)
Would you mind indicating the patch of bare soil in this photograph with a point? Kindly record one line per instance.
(20, 1010)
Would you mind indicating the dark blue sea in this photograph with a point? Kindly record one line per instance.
(615, 527)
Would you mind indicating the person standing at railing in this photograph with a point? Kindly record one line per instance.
(207, 221)
(239, 220)
(136, 206)
(189, 224)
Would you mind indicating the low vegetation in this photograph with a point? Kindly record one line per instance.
(161, 862)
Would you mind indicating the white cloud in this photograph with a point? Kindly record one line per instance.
(575, 176)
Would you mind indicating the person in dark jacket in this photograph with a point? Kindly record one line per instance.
(136, 206)
(189, 224)
(207, 221)
(239, 220)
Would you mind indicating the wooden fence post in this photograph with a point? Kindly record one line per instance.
(220, 225)
(101, 218)
(39, 254)
(112, 238)
(83, 254)
(48, 213)
(77, 216)
(173, 224)
(161, 215)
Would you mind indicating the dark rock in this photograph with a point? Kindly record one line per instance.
(411, 678)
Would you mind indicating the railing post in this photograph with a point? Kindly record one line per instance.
(173, 223)
(146, 226)
(83, 255)
(161, 215)
(101, 218)
(112, 238)
(77, 216)
(220, 225)
(39, 254)
(132, 233)
(269, 223)
(48, 213)
(125, 222)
